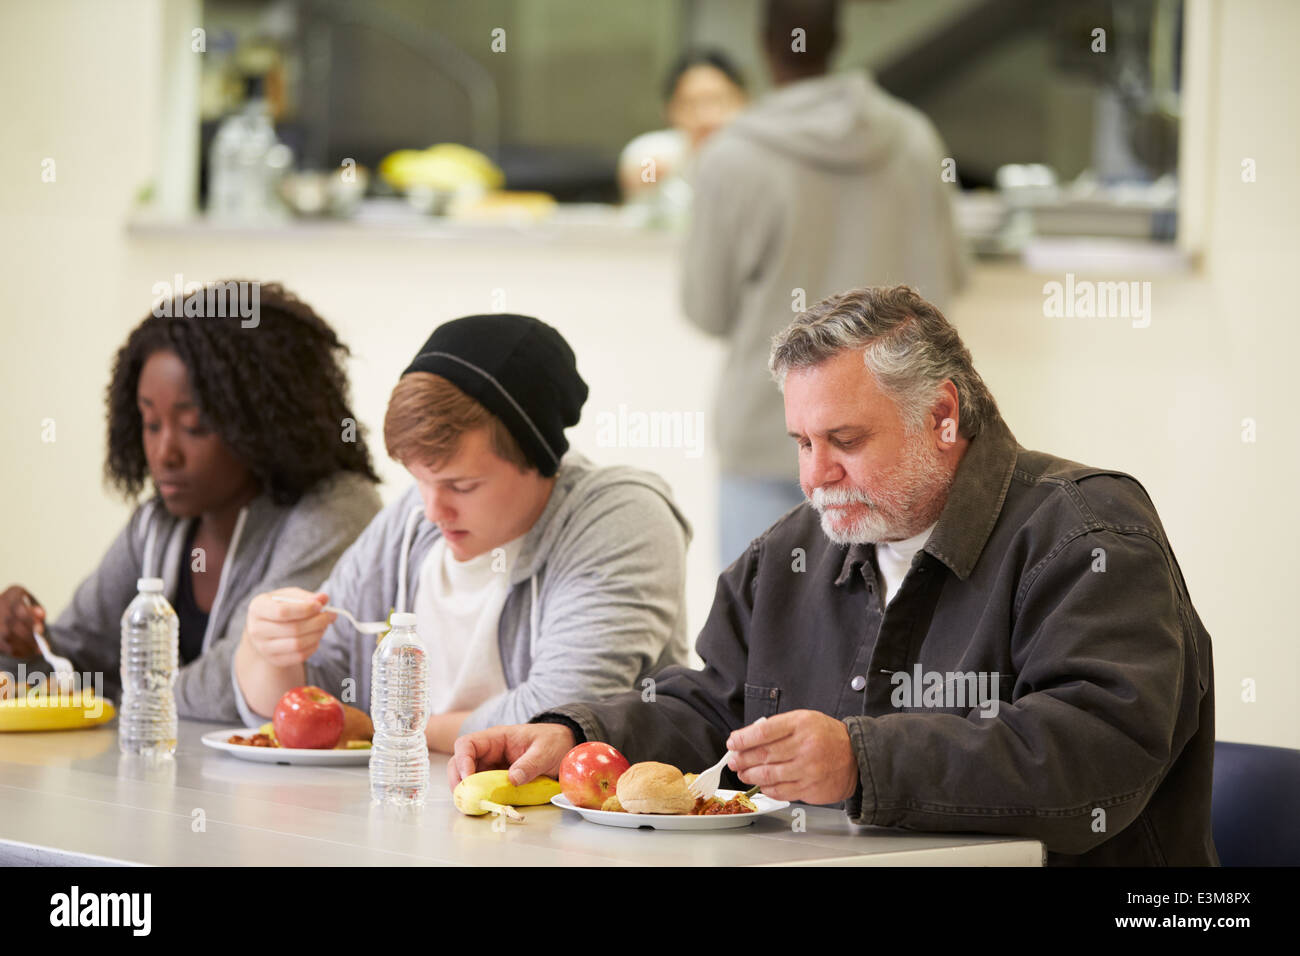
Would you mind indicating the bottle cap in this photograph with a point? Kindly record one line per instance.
(149, 584)
(402, 619)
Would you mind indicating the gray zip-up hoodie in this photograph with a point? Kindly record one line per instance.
(596, 600)
(822, 186)
(273, 546)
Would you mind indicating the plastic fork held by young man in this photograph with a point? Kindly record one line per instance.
(365, 627)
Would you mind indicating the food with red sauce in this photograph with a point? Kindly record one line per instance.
(662, 788)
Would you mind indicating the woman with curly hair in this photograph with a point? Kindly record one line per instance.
(261, 479)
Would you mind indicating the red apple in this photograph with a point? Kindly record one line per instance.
(589, 773)
(308, 718)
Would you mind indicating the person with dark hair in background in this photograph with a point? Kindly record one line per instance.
(259, 481)
(826, 183)
(704, 90)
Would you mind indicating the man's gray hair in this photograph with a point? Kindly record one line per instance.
(908, 347)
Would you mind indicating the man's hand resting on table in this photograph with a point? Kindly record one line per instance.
(528, 750)
(801, 755)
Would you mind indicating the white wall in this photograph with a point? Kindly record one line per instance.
(1245, 537)
(83, 86)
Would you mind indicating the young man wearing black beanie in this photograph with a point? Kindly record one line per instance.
(537, 578)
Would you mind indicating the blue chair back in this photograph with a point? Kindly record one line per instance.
(1256, 805)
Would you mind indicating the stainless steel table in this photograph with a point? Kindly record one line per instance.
(69, 797)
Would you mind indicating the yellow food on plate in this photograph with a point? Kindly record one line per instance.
(611, 805)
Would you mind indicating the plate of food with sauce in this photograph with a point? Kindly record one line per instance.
(258, 745)
(310, 727)
(655, 795)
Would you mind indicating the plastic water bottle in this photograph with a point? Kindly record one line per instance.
(150, 642)
(246, 162)
(399, 707)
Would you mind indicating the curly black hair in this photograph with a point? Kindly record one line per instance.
(275, 391)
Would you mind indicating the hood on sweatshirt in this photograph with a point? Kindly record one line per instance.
(578, 483)
(540, 542)
(841, 122)
(588, 481)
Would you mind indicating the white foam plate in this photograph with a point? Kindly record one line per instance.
(220, 740)
(678, 821)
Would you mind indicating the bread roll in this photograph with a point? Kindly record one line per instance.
(651, 787)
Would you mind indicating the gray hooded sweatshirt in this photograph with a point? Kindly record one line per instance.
(824, 185)
(272, 546)
(596, 599)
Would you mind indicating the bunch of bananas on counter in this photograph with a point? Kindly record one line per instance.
(445, 167)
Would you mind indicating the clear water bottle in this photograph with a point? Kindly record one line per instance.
(399, 707)
(246, 162)
(150, 643)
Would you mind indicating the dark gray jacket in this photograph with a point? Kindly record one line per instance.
(1055, 577)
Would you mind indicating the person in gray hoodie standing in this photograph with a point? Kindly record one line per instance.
(827, 183)
(536, 577)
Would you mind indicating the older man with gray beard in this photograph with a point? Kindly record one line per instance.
(953, 634)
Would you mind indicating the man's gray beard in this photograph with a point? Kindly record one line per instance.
(924, 493)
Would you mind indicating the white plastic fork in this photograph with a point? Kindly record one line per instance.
(365, 627)
(62, 675)
(706, 784)
(63, 670)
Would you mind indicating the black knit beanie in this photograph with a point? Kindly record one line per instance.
(518, 368)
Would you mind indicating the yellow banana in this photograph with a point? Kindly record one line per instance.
(39, 712)
(487, 790)
(445, 166)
